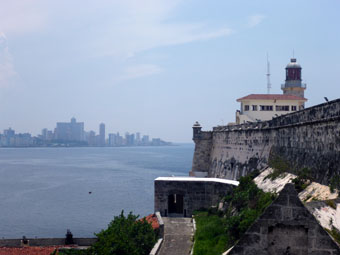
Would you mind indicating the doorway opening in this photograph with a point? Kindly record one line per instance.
(175, 204)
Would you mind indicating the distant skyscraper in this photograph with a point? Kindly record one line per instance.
(112, 140)
(9, 132)
(102, 134)
(44, 134)
(70, 131)
(138, 138)
(145, 140)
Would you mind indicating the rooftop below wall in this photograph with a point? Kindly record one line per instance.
(196, 179)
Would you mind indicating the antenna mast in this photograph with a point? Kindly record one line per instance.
(269, 86)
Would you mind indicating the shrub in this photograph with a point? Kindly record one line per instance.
(331, 203)
(279, 166)
(303, 179)
(125, 236)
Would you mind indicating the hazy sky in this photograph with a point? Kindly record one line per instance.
(156, 66)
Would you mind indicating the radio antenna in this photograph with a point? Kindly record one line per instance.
(269, 86)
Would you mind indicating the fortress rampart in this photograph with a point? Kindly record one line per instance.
(307, 138)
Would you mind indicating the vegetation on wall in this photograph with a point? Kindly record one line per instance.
(279, 166)
(303, 179)
(217, 231)
(334, 183)
(334, 233)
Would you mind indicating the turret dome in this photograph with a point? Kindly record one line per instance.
(293, 64)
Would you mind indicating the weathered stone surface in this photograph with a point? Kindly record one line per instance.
(308, 138)
(196, 195)
(286, 228)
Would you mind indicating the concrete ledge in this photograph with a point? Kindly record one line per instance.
(194, 231)
(157, 247)
(161, 224)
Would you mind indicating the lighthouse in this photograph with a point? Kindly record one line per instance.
(293, 84)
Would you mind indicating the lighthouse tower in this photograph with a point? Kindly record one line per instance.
(293, 84)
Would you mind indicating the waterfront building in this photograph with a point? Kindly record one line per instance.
(138, 141)
(101, 134)
(119, 140)
(90, 137)
(44, 134)
(129, 139)
(70, 131)
(9, 132)
(260, 107)
(112, 140)
(145, 140)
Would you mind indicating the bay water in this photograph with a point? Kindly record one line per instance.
(45, 191)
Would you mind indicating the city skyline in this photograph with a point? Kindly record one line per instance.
(73, 134)
(157, 66)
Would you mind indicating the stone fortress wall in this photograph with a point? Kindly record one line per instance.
(307, 138)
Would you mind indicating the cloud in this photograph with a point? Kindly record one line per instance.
(138, 71)
(111, 29)
(7, 71)
(22, 17)
(255, 20)
(133, 26)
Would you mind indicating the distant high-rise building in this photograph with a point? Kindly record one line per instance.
(102, 134)
(44, 134)
(9, 132)
(138, 141)
(145, 140)
(112, 140)
(91, 138)
(119, 140)
(70, 131)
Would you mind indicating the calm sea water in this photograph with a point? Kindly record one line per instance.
(44, 191)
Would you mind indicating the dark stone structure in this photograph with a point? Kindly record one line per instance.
(181, 196)
(286, 227)
(307, 138)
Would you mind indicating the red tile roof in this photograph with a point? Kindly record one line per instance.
(271, 97)
(153, 220)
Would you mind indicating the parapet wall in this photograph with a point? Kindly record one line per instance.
(308, 138)
(46, 242)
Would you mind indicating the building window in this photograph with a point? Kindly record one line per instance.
(254, 107)
(246, 108)
(282, 108)
(293, 107)
(266, 107)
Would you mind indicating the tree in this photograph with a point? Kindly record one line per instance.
(125, 236)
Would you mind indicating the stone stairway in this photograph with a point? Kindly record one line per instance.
(178, 236)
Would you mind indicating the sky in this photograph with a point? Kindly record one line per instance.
(157, 66)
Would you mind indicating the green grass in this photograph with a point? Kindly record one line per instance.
(210, 237)
(335, 234)
(217, 231)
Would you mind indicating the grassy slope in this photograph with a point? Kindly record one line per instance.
(217, 231)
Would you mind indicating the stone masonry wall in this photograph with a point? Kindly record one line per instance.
(201, 160)
(197, 194)
(308, 138)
